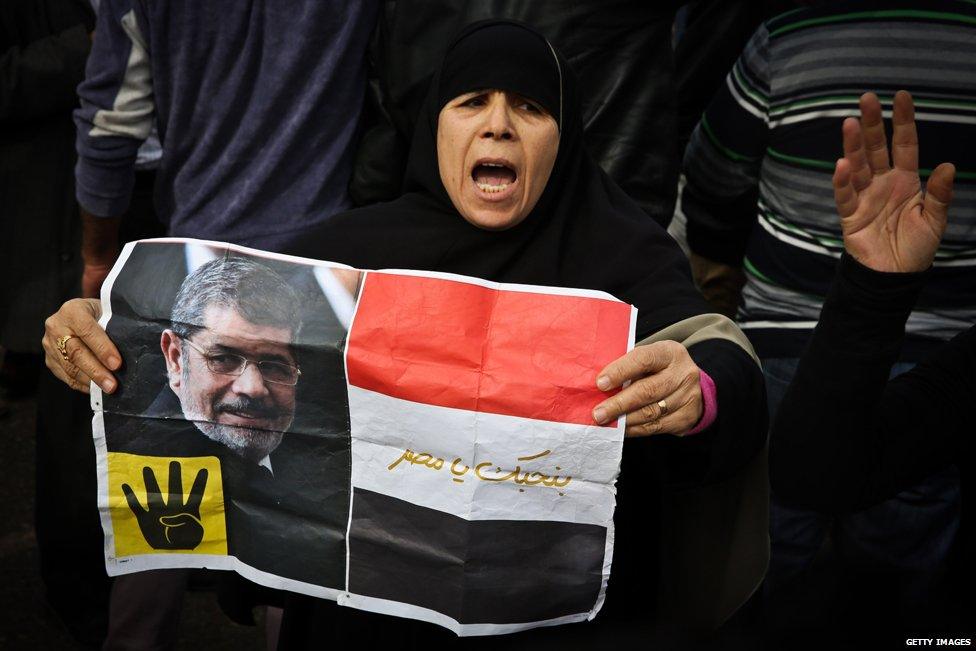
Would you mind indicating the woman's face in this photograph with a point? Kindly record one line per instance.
(495, 151)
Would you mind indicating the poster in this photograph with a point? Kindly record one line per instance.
(411, 443)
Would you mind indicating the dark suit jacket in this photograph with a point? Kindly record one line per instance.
(291, 523)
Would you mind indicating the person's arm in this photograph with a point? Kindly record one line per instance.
(99, 249)
(76, 348)
(844, 437)
(721, 169)
(115, 117)
(737, 431)
(702, 367)
(39, 79)
(719, 283)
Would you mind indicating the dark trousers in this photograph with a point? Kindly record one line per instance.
(145, 612)
(66, 521)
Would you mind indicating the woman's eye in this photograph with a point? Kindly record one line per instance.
(474, 101)
(531, 107)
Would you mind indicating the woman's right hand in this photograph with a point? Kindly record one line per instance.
(89, 353)
(889, 225)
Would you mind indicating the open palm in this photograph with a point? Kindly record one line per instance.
(889, 224)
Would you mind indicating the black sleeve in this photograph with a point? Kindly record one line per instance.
(739, 430)
(40, 79)
(845, 437)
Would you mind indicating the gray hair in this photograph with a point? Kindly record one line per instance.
(255, 291)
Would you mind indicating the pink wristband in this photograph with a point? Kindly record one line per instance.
(709, 403)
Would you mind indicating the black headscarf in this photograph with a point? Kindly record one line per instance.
(583, 232)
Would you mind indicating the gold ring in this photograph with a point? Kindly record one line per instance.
(62, 341)
(663, 406)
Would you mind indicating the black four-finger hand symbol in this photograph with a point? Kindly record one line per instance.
(169, 524)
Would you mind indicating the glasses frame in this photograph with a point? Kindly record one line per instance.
(209, 357)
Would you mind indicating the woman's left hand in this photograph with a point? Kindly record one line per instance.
(664, 396)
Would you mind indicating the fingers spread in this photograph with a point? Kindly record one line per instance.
(904, 137)
(154, 496)
(133, 501)
(855, 154)
(938, 195)
(175, 487)
(872, 128)
(639, 362)
(196, 491)
(844, 194)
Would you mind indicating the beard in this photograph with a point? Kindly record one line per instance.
(251, 443)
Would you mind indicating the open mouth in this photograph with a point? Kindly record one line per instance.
(494, 176)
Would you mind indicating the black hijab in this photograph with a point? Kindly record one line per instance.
(583, 232)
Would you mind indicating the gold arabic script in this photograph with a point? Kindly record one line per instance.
(484, 472)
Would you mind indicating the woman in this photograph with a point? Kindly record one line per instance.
(500, 187)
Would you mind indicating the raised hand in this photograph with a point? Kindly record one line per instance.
(172, 524)
(889, 224)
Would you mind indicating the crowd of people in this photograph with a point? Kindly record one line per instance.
(784, 259)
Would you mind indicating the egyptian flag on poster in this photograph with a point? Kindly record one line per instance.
(483, 491)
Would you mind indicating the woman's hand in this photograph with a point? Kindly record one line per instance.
(664, 396)
(90, 353)
(888, 224)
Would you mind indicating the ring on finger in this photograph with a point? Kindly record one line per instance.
(61, 344)
(663, 406)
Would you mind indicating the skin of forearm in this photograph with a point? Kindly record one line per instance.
(719, 283)
(99, 239)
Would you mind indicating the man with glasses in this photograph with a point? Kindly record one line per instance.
(229, 355)
(232, 372)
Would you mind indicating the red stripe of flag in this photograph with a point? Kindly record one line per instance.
(454, 344)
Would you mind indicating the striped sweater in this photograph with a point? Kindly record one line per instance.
(775, 126)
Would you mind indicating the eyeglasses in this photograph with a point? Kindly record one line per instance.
(231, 364)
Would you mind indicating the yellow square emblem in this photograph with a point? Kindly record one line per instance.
(166, 505)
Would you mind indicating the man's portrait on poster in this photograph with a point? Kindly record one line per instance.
(234, 355)
(229, 358)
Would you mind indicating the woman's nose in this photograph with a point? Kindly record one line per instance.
(498, 118)
(250, 382)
